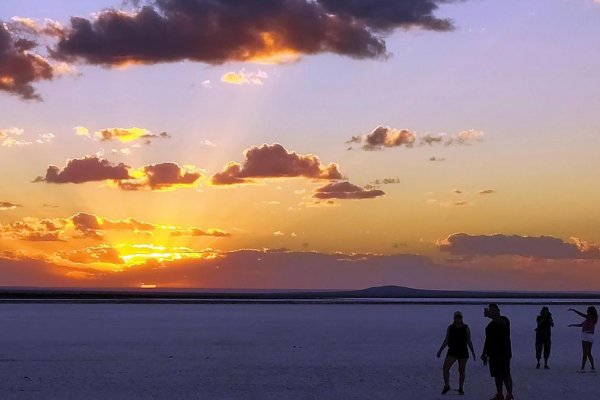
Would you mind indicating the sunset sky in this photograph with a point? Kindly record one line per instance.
(306, 144)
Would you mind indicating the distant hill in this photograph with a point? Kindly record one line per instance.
(379, 292)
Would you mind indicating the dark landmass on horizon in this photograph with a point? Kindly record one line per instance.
(377, 295)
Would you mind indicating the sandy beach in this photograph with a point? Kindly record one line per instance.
(165, 351)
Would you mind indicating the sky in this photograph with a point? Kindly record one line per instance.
(320, 144)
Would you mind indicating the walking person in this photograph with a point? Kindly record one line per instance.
(587, 335)
(543, 333)
(498, 352)
(458, 338)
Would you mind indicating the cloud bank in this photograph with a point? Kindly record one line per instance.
(542, 247)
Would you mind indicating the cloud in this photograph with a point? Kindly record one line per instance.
(242, 77)
(103, 254)
(87, 169)
(11, 137)
(487, 191)
(90, 226)
(45, 138)
(197, 232)
(345, 190)
(31, 26)
(385, 181)
(81, 131)
(436, 159)
(7, 205)
(542, 247)
(462, 138)
(274, 161)
(262, 269)
(124, 135)
(386, 137)
(163, 176)
(20, 67)
(219, 31)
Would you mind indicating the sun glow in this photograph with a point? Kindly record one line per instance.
(274, 52)
(137, 254)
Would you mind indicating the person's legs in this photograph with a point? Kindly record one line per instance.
(508, 384)
(448, 362)
(462, 364)
(584, 354)
(588, 352)
(538, 351)
(498, 380)
(547, 347)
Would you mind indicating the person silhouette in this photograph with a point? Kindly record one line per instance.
(543, 333)
(498, 352)
(587, 335)
(458, 338)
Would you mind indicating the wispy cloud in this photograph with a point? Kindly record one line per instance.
(385, 137)
(243, 78)
(346, 191)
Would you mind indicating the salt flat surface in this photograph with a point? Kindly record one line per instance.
(248, 351)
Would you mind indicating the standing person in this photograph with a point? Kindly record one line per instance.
(587, 335)
(543, 332)
(458, 337)
(497, 350)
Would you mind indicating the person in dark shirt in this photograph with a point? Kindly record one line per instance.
(458, 337)
(497, 351)
(543, 332)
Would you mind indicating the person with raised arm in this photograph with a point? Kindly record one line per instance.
(587, 335)
(458, 338)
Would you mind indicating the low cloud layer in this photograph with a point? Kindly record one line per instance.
(345, 191)
(89, 226)
(274, 161)
(385, 137)
(277, 269)
(542, 247)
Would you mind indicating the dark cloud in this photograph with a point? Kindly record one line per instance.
(542, 247)
(162, 176)
(7, 205)
(391, 14)
(87, 169)
(274, 161)
(487, 191)
(218, 31)
(19, 66)
(384, 136)
(345, 190)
